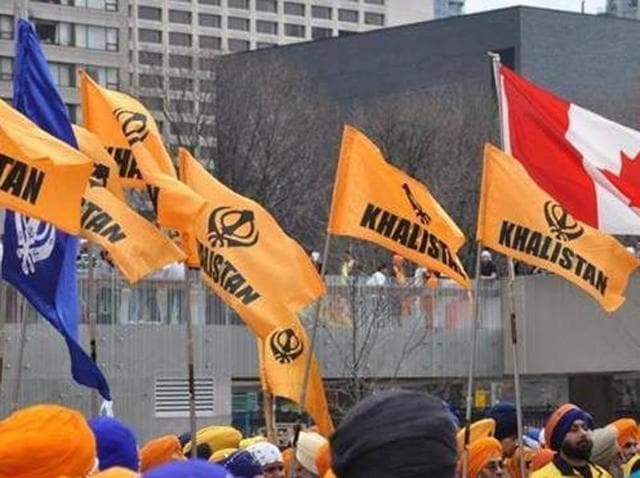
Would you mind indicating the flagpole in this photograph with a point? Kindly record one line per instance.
(190, 360)
(92, 305)
(3, 319)
(495, 63)
(475, 313)
(307, 367)
(23, 340)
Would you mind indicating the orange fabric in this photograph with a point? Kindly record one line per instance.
(479, 429)
(541, 459)
(40, 176)
(285, 354)
(481, 451)
(518, 219)
(512, 465)
(374, 201)
(46, 441)
(135, 245)
(116, 472)
(330, 474)
(287, 459)
(159, 451)
(627, 430)
(554, 419)
(323, 459)
(267, 272)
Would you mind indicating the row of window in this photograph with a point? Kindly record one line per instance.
(265, 5)
(108, 5)
(77, 35)
(290, 8)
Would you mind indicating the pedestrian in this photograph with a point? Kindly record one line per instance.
(116, 444)
(506, 420)
(379, 277)
(485, 458)
(488, 270)
(270, 459)
(606, 452)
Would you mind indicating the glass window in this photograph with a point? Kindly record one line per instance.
(112, 39)
(150, 81)
(206, 63)
(292, 30)
(209, 2)
(371, 18)
(236, 45)
(180, 61)
(109, 77)
(374, 2)
(317, 32)
(210, 43)
(149, 36)
(243, 4)
(152, 102)
(64, 74)
(96, 38)
(180, 16)
(209, 20)
(149, 13)
(180, 83)
(237, 23)
(47, 31)
(150, 58)
(180, 39)
(293, 8)
(321, 12)
(267, 6)
(263, 26)
(348, 15)
(6, 68)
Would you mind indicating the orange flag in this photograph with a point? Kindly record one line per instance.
(520, 220)
(284, 353)
(105, 170)
(40, 176)
(125, 127)
(375, 201)
(136, 246)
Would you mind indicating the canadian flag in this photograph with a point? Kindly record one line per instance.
(588, 163)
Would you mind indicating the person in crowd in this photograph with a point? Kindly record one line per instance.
(189, 469)
(627, 429)
(506, 432)
(159, 451)
(116, 472)
(605, 451)
(379, 277)
(567, 432)
(398, 434)
(116, 444)
(347, 268)
(46, 441)
(307, 449)
(541, 458)
(426, 281)
(242, 464)
(323, 459)
(488, 269)
(317, 260)
(270, 459)
(400, 279)
(485, 458)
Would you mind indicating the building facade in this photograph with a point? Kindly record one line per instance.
(623, 8)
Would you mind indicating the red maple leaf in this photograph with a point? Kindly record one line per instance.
(628, 182)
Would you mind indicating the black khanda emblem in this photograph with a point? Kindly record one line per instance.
(286, 346)
(562, 225)
(420, 213)
(134, 125)
(232, 228)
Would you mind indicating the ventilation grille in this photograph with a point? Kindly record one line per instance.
(172, 397)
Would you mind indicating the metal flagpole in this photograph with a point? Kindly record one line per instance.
(190, 359)
(475, 314)
(22, 309)
(309, 358)
(92, 305)
(495, 62)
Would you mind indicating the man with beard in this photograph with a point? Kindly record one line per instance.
(567, 432)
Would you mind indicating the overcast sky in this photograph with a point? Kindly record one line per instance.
(591, 6)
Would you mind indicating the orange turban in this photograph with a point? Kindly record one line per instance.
(627, 430)
(541, 459)
(159, 451)
(513, 464)
(46, 441)
(116, 472)
(323, 459)
(287, 459)
(480, 452)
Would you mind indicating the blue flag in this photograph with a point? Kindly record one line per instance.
(39, 260)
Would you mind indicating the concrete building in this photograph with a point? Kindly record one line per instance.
(623, 8)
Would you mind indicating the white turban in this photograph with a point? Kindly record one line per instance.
(266, 453)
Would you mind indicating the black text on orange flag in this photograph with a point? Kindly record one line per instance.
(375, 201)
(520, 220)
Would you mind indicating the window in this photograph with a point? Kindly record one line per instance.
(78, 35)
(64, 74)
(243, 4)
(317, 32)
(109, 5)
(210, 43)
(150, 81)
(180, 83)
(321, 12)
(179, 39)
(293, 8)
(236, 45)
(206, 63)
(208, 20)
(209, 2)
(73, 112)
(47, 31)
(181, 106)
(291, 30)
(237, 23)
(207, 86)
(264, 44)
(180, 16)
(149, 36)
(371, 18)
(149, 58)
(374, 2)
(348, 15)
(109, 77)
(267, 6)
(263, 26)
(180, 61)
(6, 68)
(149, 13)
(152, 102)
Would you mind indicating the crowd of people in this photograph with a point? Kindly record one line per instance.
(392, 434)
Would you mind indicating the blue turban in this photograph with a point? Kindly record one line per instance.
(116, 444)
(242, 464)
(188, 469)
(560, 423)
(506, 420)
